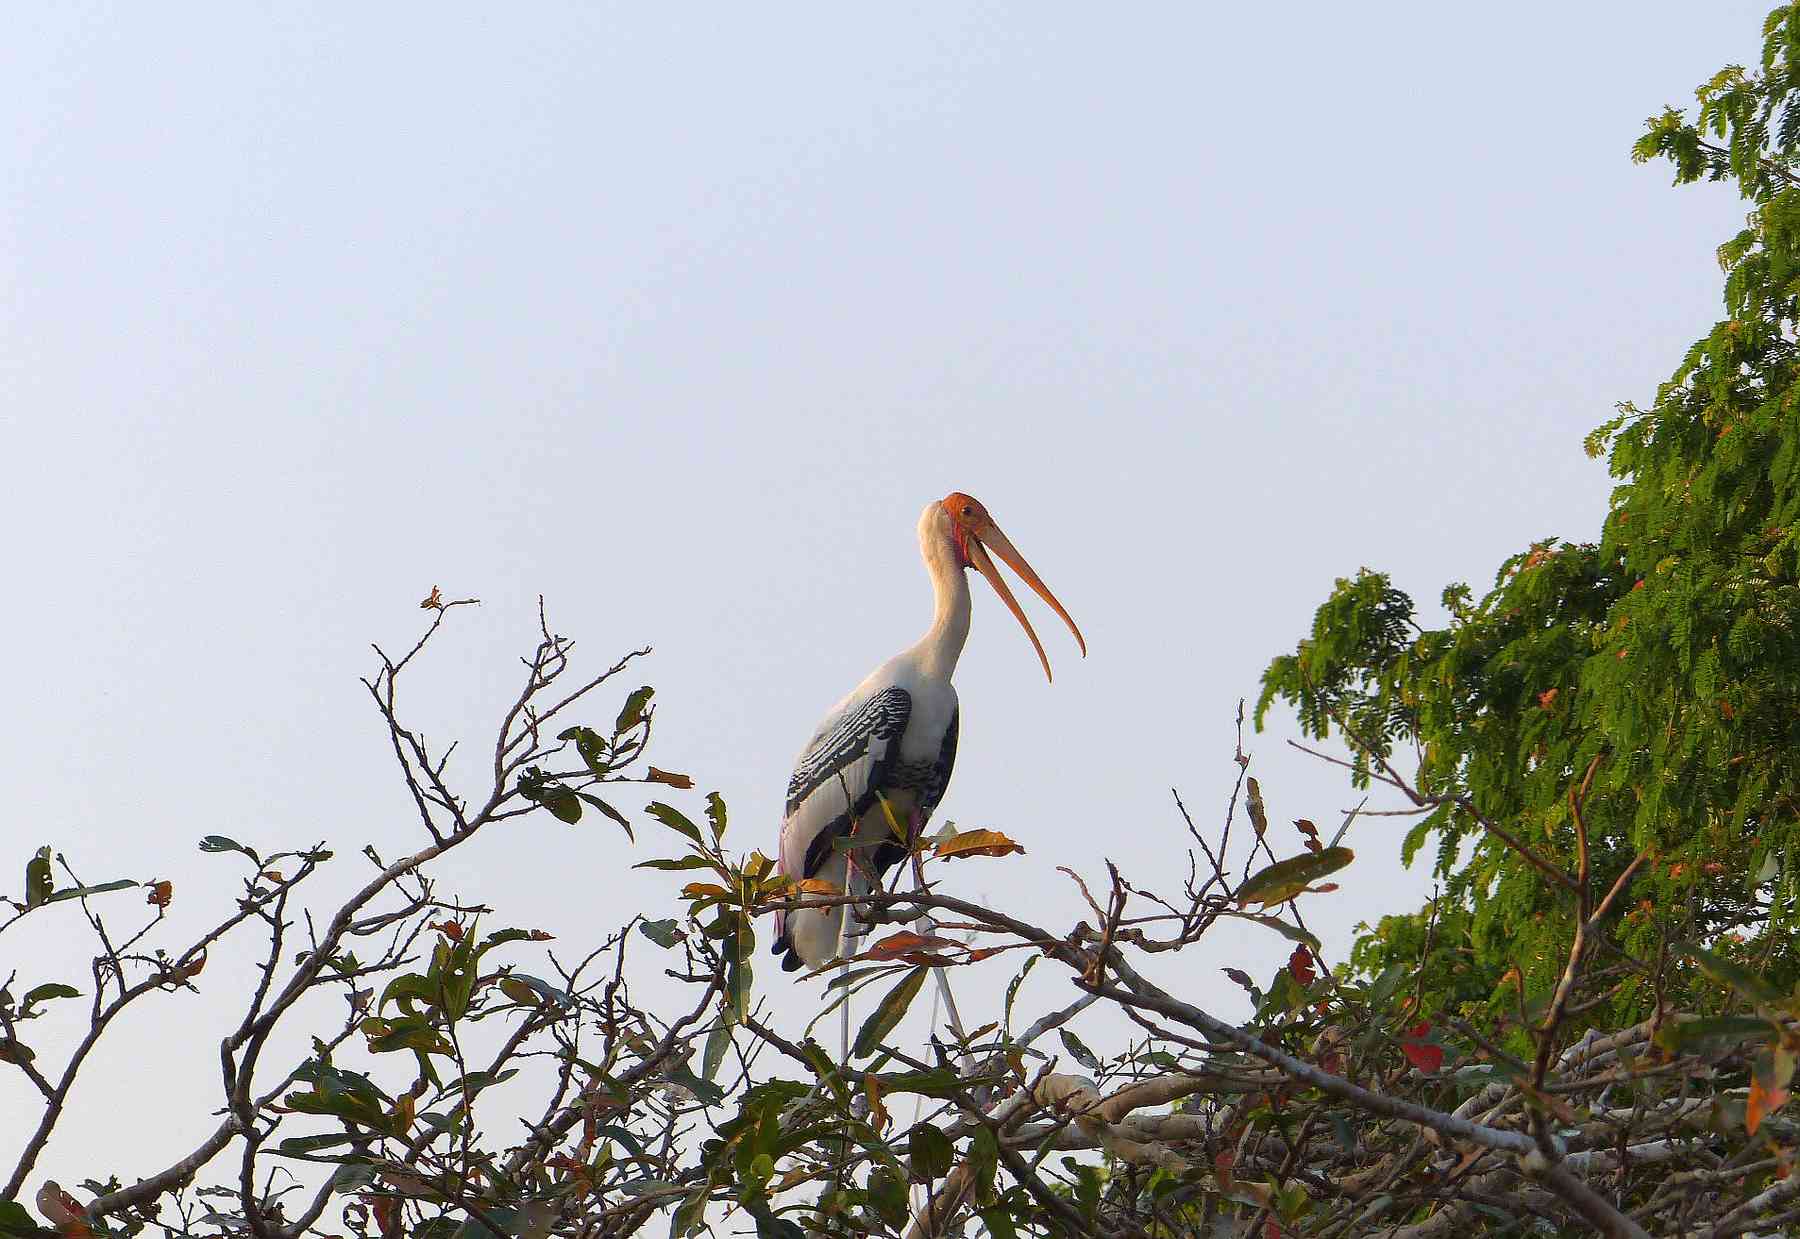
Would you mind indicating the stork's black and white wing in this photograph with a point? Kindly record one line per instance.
(851, 759)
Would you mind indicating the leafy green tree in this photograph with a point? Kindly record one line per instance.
(1660, 660)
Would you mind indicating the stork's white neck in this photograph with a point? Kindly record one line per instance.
(940, 647)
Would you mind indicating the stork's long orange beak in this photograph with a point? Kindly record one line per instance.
(983, 534)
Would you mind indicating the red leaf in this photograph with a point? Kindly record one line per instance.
(1300, 966)
(1426, 1057)
(161, 893)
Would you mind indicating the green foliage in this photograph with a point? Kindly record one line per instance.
(1665, 647)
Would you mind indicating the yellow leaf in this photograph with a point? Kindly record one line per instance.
(1281, 881)
(816, 886)
(1259, 816)
(878, 1114)
(402, 1114)
(977, 843)
(518, 991)
(703, 890)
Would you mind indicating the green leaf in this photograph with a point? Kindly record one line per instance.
(690, 1214)
(1680, 1037)
(1741, 979)
(219, 843)
(590, 747)
(717, 1042)
(1293, 933)
(302, 1145)
(610, 812)
(505, 1220)
(941, 1083)
(663, 933)
(1081, 1053)
(564, 804)
(632, 712)
(1284, 879)
(984, 1158)
(15, 1219)
(49, 990)
(38, 880)
(887, 1196)
(715, 815)
(99, 888)
(888, 1013)
(999, 1223)
(930, 1152)
(674, 819)
(676, 865)
(1012, 990)
(708, 1092)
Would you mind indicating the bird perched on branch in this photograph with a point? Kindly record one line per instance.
(878, 765)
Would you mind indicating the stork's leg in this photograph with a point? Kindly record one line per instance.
(924, 927)
(851, 876)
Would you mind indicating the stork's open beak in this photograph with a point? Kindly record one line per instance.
(987, 535)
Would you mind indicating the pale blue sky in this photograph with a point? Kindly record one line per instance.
(680, 316)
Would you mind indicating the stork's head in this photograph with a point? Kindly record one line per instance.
(974, 533)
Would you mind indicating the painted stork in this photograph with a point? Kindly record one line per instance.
(893, 738)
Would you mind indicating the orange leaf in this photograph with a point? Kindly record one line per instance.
(1547, 698)
(816, 886)
(542, 935)
(681, 781)
(450, 930)
(703, 890)
(977, 843)
(435, 601)
(161, 893)
(894, 946)
(1762, 1102)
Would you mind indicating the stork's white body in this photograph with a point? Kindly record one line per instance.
(892, 740)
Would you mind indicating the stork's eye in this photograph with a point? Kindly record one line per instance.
(968, 510)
